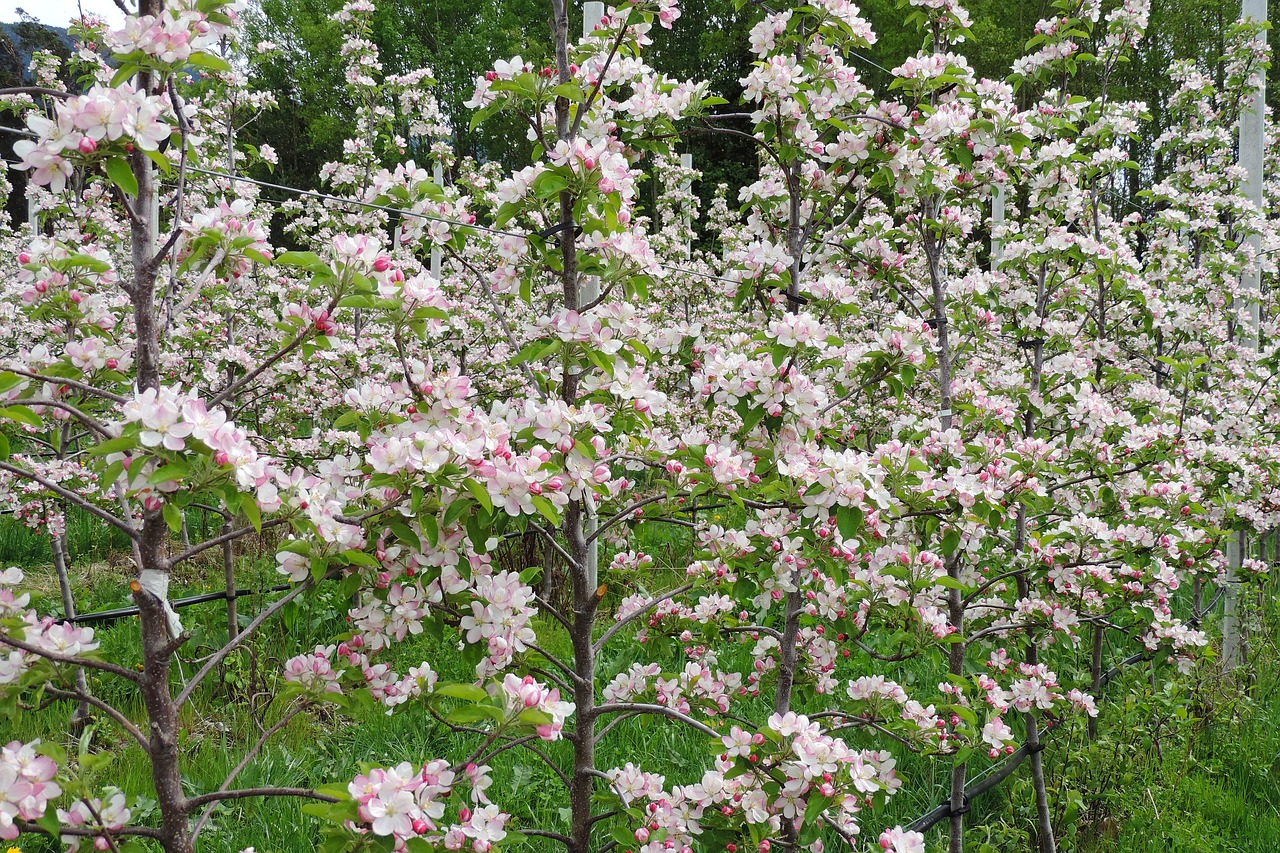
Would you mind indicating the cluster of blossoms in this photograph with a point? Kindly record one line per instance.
(181, 29)
(314, 672)
(46, 635)
(108, 816)
(166, 417)
(501, 617)
(82, 123)
(26, 785)
(784, 762)
(710, 690)
(526, 694)
(403, 803)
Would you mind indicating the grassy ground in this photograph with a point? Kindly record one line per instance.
(1186, 770)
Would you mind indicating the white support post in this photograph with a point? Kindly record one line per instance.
(997, 227)
(1231, 603)
(589, 285)
(686, 162)
(592, 12)
(1252, 145)
(1252, 142)
(437, 258)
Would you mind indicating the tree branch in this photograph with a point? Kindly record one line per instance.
(244, 762)
(230, 536)
(70, 383)
(72, 497)
(245, 793)
(618, 626)
(624, 514)
(219, 655)
(72, 660)
(298, 340)
(115, 714)
(660, 710)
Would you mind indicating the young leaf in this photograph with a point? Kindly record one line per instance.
(121, 174)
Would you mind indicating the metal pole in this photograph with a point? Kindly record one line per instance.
(1252, 129)
(589, 285)
(997, 226)
(437, 174)
(592, 12)
(686, 162)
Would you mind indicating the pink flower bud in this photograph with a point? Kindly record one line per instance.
(382, 264)
(88, 146)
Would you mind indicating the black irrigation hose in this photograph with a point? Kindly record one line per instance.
(125, 612)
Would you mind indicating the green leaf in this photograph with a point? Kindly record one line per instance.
(848, 520)
(21, 414)
(431, 528)
(406, 535)
(534, 717)
(456, 510)
(121, 174)
(249, 506)
(469, 692)
(356, 557)
(126, 70)
(200, 59)
(172, 516)
(49, 823)
(549, 184)
(475, 714)
(304, 260)
(479, 492)
(951, 541)
(546, 508)
(816, 806)
(537, 350)
(123, 444)
(9, 381)
(753, 416)
(161, 161)
(169, 473)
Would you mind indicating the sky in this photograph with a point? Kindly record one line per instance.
(59, 13)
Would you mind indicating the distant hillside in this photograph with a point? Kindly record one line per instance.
(18, 41)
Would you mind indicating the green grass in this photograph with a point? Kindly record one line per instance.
(1204, 776)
